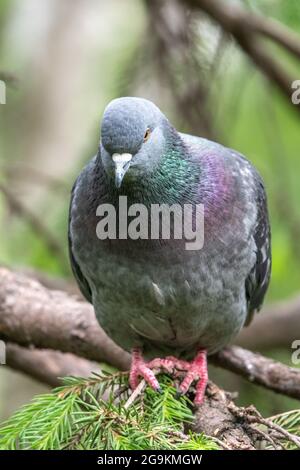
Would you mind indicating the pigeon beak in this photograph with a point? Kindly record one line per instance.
(122, 163)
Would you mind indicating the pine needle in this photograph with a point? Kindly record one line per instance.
(91, 414)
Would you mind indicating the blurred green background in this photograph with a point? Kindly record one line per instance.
(67, 59)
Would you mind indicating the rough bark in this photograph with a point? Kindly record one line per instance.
(260, 370)
(48, 366)
(31, 314)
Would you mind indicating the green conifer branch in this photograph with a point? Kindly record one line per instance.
(91, 414)
(99, 413)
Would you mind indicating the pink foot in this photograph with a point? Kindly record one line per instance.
(196, 370)
(170, 364)
(140, 368)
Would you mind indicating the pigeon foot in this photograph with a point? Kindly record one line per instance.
(139, 368)
(195, 371)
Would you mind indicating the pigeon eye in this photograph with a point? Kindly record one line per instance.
(147, 134)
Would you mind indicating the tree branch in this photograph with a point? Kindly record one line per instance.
(280, 324)
(260, 370)
(30, 314)
(279, 321)
(33, 220)
(177, 61)
(246, 27)
(274, 30)
(48, 366)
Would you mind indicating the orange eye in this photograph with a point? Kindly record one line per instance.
(147, 134)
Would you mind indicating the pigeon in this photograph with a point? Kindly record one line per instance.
(169, 305)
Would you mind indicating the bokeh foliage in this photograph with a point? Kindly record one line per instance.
(246, 112)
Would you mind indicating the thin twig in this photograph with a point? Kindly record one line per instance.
(36, 176)
(220, 443)
(135, 394)
(252, 416)
(35, 222)
(267, 437)
(290, 437)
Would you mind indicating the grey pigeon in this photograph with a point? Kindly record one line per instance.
(166, 303)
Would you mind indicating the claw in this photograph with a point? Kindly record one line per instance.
(196, 371)
(140, 368)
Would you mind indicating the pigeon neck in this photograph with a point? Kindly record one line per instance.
(168, 183)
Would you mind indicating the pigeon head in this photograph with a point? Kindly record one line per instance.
(133, 138)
